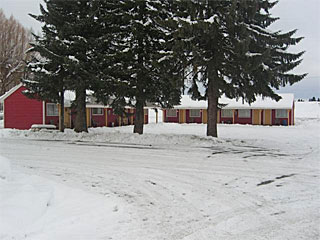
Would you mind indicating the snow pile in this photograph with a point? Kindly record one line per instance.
(122, 135)
(34, 207)
(23, 201)
(5, 168)
(307, 110)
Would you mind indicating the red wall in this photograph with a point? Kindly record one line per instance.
(98, 120)
(280, 121)
(52, 119)
(225, 120)
(193, 119)
(171, 119)
(20, 111)
(113, 120)
(242, 120)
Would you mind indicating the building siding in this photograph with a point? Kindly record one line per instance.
(98, 120)
(240, 120)
(21, 112)
(171, 119)
(193, 119)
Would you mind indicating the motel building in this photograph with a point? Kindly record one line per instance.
(264, 111)
(20, 112)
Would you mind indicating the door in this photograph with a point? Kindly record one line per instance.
(182, 116)
(267, 117)
(256, 117)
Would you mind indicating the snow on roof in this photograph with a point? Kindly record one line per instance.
(286, 102)
(7, 94)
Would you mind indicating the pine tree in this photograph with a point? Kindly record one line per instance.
(67, 47)
(234, 53)
(48, 66)
(141, 65)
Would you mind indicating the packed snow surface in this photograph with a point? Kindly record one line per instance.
(173, 182)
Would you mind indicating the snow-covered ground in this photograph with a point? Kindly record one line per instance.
(253, 182)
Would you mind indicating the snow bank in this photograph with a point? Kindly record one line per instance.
(5, 168)
(34, 207)
(1, 124)
(23, 201)
(307, 110)
(152, 136)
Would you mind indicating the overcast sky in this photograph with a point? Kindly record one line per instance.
(294, 14)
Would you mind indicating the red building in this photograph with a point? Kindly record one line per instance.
(21, 112)
(264, 111)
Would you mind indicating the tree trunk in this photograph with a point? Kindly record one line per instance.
(80, 121)
(61, 117)
(139, 121)
(213, 96)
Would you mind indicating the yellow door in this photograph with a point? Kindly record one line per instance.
(267, 117)
(131, 118)
(88, 111)
(204, 116)
(67, 117)
(256, 117)
(182, 116)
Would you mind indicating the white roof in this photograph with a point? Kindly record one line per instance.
(7, 94)
(286, 102)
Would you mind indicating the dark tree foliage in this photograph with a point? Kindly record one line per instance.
(70, 34)
(233, 52)
(141, 63)
(48, 66)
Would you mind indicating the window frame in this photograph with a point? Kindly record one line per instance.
(97, 114)
(246, 115)
(194, 116)
(54, 114)
(223, 113)
(279, 113)
(171, 110)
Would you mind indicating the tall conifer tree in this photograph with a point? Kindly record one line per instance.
(233, 52)
(67, 47)
(48, 66)
(143, 68)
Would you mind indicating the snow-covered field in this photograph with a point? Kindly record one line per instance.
(253, 182)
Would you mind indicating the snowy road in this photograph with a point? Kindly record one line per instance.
(253, 183)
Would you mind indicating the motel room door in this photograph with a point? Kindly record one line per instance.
(267, 114)
(256, 117)
(182, 116)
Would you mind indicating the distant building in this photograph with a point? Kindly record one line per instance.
(264, 111)
(21, 112)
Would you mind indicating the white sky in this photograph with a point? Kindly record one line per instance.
(294, 14)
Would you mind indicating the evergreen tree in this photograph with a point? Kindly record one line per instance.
(233, 52)
(48, 66)
(141, 65)
(67, 46)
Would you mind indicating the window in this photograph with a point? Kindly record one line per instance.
(244, 113)
(145, 111)
(171, 112)
(226, 113)
(1, 107)
(52, 109)
(281, 113)
(194, 113)
(97, 111)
